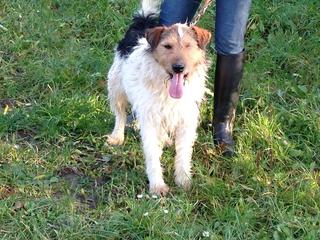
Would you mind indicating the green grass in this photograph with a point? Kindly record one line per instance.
(59, 181)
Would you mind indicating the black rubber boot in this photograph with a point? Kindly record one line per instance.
(226, 95)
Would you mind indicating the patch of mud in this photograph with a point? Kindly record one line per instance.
(84, 188)
(6, 191)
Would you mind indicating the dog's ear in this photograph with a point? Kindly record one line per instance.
(203, 36)
(153, 36)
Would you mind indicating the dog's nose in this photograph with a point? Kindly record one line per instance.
(178, 67)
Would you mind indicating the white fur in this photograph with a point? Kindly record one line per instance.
(150, 7)
(141, 81)
(180, 31)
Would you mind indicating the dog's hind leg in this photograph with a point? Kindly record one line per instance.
(118, 104)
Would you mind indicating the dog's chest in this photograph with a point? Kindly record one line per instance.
(170, 114)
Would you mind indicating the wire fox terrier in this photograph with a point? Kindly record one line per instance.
(161, 71)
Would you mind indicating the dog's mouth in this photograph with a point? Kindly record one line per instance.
(177, 83)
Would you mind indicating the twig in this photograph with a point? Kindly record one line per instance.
(201, 12)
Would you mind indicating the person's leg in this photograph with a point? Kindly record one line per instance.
(231, 21)
(231, 24)
(178, 11)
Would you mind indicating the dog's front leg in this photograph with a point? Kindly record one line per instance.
(152, 151)
(185, 137)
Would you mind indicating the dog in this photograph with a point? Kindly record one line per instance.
(161, 72)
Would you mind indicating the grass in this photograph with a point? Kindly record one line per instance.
(59, 181)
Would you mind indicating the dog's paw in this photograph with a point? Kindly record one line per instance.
(160, 190)
(114, 140)
(183, 181)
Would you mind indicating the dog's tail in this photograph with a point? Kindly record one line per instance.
(150, 7)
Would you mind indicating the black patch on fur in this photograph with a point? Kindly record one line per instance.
(136, 31)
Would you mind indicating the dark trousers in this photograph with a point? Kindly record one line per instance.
(230, 23)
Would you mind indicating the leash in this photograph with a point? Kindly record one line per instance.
(201, 12)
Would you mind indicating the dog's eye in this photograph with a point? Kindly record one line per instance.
(168, 46)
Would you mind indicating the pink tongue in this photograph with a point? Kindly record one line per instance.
(176, 86)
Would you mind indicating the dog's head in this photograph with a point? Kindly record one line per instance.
(179, 49)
